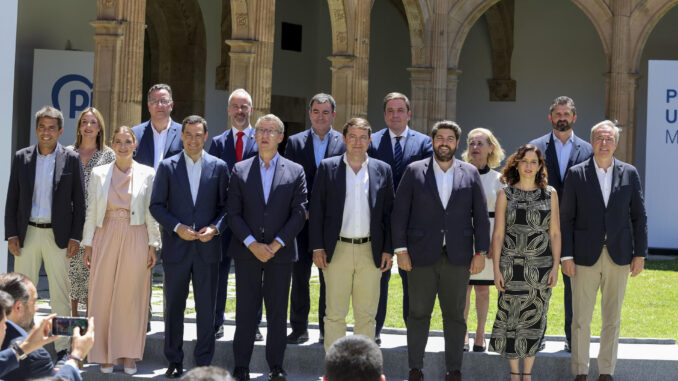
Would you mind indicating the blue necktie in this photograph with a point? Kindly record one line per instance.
(397, 159)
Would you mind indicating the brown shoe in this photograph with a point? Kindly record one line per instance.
(581, 377)
(415, 375)
(605, 377)
(453, 376)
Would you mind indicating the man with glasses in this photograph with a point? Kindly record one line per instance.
(232, 146)
(159, 137)
(266, 210)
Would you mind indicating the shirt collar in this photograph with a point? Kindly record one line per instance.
(600, 169)
(49, 156)
(436, 167)
(164, 131)
(235, 131)
(406, 131)
(555, 138)
(363, 165)
(274, 161)
(190, 161)
(317, 137)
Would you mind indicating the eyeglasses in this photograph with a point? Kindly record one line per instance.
(265, 132)
(162, 102)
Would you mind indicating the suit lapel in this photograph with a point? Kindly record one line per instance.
(574, 154)
(278, 175)
(373, 172)
(248, 144)
(409, 148)
(206, 172)
(339, 172)
(552, 163)
(182, 175)
(59, 163)
(32, 163)
(171, 135)
(430, 180)
(457, 176)
(332, 144)
(257, 181)
(148, 147)
(618, 172)
(229, 149)
(309, 149)
(593, 181)
(385, 147)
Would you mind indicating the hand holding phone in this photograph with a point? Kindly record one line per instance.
(63, 325)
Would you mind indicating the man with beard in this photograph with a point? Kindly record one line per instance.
(440, 200)
(232, 146)
(561, 150)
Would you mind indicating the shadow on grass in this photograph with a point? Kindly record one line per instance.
(662, 265)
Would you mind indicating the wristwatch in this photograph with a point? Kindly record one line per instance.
(17, 350)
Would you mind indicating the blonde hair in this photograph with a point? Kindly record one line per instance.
(496, 156)
(123, 129)
(101, 136)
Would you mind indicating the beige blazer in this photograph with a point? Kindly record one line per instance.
(97, 198)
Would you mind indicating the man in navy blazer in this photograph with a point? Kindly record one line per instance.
(189, 203)
(309, 148)
(350, 232)
(266, 211)
(398, 145)
(45, 211)
(158, 137)
(232, 146)
(604, 228)
(439, 213)
(562, 149)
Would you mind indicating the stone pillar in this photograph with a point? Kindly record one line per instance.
(420, 80)
(621, 89)
(452, 84)
(118, 61)
(439, 50)
(361, 24)
(242, 58)
(342, 81)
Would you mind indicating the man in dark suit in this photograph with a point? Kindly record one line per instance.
(440, 211)
(561, 150)
(232, 146)
(189, 203)
(159, 137)
(309, 148)
(266, 210)
(398, 145)
(604, 227)
(29, 359)
(350, 232)
(46, 182)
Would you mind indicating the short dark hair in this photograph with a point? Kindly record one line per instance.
(563, 101)
(6, 304)
(354, 358)
(194, 119)
(207, 373)
(510, 174)
(448, 124)
(361, 123)
(322, 98)
(52, 113)
(159, 86)
(391, 96)
(16, 285)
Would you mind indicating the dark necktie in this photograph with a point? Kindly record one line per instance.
(397, 158)
(238, 146)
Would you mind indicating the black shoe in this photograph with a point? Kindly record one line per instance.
(258, 336)
(567, 347)
(466, 347)
(220, 333)
(148, 327)
(241, 373)
(377, 339)
(174, 370)
(321, 338)
(61, 358)
(297, 337)
(415, 375)
(277, 374)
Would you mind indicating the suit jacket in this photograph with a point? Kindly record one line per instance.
(585, 220)
(419, 220)
(68, 195)
(37, 364)
(327, 206)
(282, 216)
(223, 147)
(171, 203)
(581, 151)
(299, 149)
(142, 186)
(146, 148)
(417, 146)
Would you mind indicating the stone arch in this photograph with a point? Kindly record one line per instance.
(176, 53)
(418, 18)
(643, 19)
(340, 38)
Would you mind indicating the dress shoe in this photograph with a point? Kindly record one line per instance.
(453, 376)
(277, 374)
(321, 338)
(415, 375)
(130, 371)
(220, 333)
(377, 339)
(479, 348)
(568, 349)
(241, 373)
(258, 336)
(605, 377)
(581, 377)
(106, 369)
(297, 337)
(174, 370)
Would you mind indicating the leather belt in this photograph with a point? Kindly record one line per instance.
(355, 241)
(491, 214)
(41, 226)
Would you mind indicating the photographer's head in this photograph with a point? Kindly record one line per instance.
(354, 358)
(207, 373)
(22, 290)
(6, 303)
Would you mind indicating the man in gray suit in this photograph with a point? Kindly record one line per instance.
(604, 227)
(440, 200)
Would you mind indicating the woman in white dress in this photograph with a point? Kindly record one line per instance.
(484, 152)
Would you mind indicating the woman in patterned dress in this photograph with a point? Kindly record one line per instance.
(485, 153)
(90, 144)
(526, 254)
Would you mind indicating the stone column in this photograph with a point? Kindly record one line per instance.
(420, 80)
(118, 61)
(361, 24)
(439, 50)
(242, 58)
(452, 84)
(342, 80)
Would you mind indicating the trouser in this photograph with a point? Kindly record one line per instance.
(383, 298)
(611, 279)
(39, 247)
(300, 299)
(351, 275)
(448, 282)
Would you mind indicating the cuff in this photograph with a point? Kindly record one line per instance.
(399, 250)
(177, 227)
(280, 241)
(248, 241)
(565, 259)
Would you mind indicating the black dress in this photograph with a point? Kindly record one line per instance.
(525, 263)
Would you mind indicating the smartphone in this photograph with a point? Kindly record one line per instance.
(63, 325)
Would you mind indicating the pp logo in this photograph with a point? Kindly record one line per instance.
(80, 96)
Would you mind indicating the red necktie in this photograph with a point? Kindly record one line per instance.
(238, 146)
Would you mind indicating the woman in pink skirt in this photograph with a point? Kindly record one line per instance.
(120, 238)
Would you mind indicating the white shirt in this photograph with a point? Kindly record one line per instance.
(402, 140)
(605, 180)
(193, 170)
(356, 220)
(159, 142)
(247, 131)
(41, 207)
(444, 181)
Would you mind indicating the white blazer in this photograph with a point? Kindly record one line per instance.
(97, 199)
